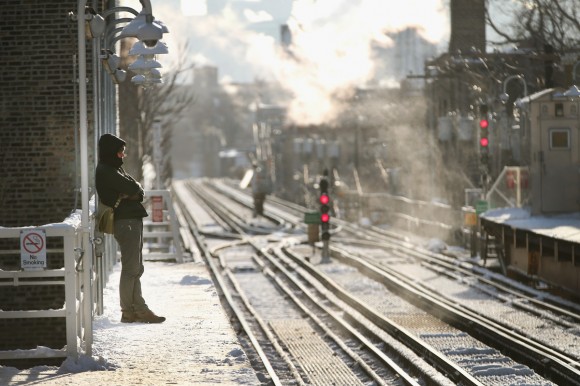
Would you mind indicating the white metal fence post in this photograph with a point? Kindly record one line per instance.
(70, 286)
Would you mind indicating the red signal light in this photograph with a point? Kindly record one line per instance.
(484, 123)
(484, 142)
(325, 217)
(324, 199)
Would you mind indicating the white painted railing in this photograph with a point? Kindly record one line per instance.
(77, 292)
(83, 290)
(511, 188)
(161, 236)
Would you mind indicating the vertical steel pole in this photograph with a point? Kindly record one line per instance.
(85, 224)
(325, 252)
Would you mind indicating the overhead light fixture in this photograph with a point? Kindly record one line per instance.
(111, 62)
(504, 97)
(139, 79)
(95, 24)
(144, 63)
(145, 81)
(164, 28)
(130, 30)
(150, 34)
(572, 92)
(139, 48)
(154, 74)
(135, 27)
(119, 76)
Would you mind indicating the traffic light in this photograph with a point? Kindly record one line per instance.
(483, 136)
(324, 200)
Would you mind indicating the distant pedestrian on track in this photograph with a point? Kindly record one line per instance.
(261, 186)
(113, 183)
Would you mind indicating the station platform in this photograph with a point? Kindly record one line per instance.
(196, 345)
(565, 227)
(542, 249)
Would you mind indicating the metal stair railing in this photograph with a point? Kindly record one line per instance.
(161, 230)
(515, 193)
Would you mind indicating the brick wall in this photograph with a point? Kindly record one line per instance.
(38, 166)
(37, 112)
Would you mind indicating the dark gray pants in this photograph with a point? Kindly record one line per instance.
(129, 236)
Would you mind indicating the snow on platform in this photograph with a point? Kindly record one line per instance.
(196, 345)
(563, 227)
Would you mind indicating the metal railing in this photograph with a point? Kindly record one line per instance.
(511, 188)
(77, 291)
(83, 290)
(161, 234)
(437, 219)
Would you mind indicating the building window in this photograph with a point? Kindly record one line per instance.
(573, 109)
(559, 109)
(559, 139)
(544, 110)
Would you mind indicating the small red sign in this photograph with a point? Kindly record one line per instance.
(157, 206)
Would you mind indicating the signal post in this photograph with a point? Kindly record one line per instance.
(324, 200)
(484, 145)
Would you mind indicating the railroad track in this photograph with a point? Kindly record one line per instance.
(320, 360)
(452, 345)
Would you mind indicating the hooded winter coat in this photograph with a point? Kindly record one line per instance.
(111, 180)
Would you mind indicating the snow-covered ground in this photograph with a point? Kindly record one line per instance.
(196, 345)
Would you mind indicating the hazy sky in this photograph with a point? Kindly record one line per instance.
(241, 37)
(332, 39)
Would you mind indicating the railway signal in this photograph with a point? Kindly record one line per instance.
(483, 136)
(324, 200)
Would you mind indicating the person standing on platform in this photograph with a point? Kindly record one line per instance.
(114, 184)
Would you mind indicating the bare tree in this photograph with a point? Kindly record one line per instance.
(543, 23)
(165, 104)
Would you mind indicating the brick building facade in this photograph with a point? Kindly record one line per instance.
(38, 167)
(39, 176)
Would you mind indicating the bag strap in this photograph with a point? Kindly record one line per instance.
(117, 203)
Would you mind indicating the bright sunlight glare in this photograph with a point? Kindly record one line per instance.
(194, 7)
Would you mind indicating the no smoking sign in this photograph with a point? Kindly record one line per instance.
(33, 249)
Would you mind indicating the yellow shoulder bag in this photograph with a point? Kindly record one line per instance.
(106, 217)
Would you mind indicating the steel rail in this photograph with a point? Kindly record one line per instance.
(208, 257)
(397, 241)
(225, 213)
(551, 364)
(405, 377)
(232, 218)
(546, 361)
(263, 326)
(436, 359)
(472, 270)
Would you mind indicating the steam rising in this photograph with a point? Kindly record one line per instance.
(332, 42)
(331, 50)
